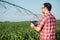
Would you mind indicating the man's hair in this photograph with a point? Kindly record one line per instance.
(48, 6)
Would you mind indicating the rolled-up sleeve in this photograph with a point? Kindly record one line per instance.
(41, 23)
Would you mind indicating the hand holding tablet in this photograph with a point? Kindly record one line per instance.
(34, 22)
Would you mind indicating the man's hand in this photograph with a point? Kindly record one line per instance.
(32, 25)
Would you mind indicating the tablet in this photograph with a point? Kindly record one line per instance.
(34, 22)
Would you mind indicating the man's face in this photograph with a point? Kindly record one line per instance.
(43, 9)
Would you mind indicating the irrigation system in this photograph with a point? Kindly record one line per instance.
(17, 7)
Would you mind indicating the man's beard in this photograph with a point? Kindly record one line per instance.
(43, 12)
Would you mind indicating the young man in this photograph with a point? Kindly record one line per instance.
(47, 24)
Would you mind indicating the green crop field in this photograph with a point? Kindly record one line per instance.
(21, 31)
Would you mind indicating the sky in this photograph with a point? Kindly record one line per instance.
(12, 14)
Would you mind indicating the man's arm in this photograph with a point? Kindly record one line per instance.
(40, 24)
(37, 28)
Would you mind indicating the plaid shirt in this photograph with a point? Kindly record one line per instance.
(47, 24)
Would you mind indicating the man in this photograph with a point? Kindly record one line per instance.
(47, 24)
